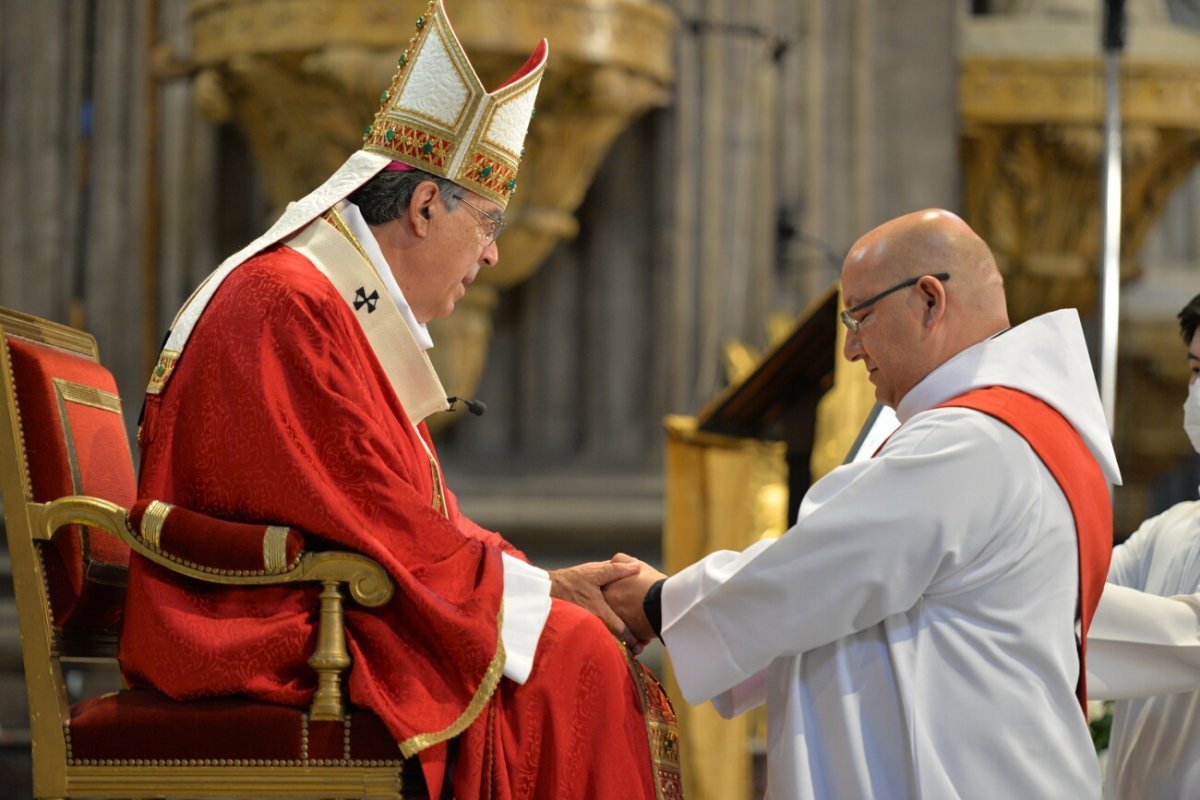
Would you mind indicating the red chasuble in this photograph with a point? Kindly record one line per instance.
(1068, 459)
(279, 412)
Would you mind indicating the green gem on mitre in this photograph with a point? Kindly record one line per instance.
(391, 134)
(427, 148)
(486, 172)
(403, 59)
(383, 96)
(367, 132)
(420, 22)
(512, 185)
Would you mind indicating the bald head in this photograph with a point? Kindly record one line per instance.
(935, 319)
(933, 241)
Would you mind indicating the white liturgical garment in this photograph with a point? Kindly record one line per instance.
(1140, 645)
(913, 634)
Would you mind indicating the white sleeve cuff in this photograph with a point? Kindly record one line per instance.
(526, 607)
(701, 661)
(1143, 644)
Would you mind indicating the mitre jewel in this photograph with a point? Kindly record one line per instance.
(438, 117)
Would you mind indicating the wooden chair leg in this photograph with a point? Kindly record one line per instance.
(331, 657)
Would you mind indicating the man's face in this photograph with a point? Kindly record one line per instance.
(888, 337)
(1193, 358)
(458, 247)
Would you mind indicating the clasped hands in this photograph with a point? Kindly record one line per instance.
(612, 590)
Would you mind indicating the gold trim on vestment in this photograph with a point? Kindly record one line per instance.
(439, 493)
(662, 735)
(153, 520)
(334, 218)
(275, 548)
(167, 360)
(487, 687)
(439, 487)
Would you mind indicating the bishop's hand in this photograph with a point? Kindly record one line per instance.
(582, 586)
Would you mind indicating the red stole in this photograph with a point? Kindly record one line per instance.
(1067, 457)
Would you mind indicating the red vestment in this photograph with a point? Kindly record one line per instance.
(279, 412)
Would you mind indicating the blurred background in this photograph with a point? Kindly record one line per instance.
(696, 171)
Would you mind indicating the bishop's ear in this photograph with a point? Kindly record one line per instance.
(421, 207)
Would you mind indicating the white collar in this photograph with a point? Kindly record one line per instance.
(1046, 357)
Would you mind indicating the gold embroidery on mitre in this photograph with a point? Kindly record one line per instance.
(437, 116)
(153, 520)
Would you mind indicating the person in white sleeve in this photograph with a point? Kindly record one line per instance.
(914, 634)
(1145, 651)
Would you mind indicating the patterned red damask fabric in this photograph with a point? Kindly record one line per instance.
(576, 730)
(278, 413)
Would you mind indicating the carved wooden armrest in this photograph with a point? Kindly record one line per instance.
(284, 561)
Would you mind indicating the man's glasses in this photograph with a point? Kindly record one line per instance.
(490, 226)
(851, 322)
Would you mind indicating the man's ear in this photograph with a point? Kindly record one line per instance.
(933, 295)
(425, 202)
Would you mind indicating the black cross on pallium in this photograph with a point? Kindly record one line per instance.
(361, 298)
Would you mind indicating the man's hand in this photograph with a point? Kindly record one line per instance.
(581, 585)
(626, 595)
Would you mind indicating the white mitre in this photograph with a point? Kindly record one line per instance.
(436, 116)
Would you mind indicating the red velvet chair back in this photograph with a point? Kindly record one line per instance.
(73, 439)
(62, 436)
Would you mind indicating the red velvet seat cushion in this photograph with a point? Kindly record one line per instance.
(75, 443)
(207, 541)
(147, 725)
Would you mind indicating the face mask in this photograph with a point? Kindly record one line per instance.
(1191, 415)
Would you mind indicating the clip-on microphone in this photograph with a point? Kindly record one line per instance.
(476, 407)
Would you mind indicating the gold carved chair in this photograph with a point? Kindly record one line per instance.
(72, 517)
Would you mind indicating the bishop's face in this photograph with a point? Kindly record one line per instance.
(460, 242)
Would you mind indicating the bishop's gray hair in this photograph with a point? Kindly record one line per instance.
(386, 196)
